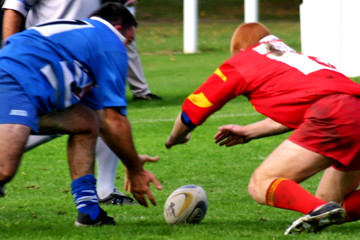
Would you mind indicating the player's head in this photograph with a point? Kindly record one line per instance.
(119, 17)
(246, 35)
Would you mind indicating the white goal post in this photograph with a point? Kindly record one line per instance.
(190, 21)
(330, 30)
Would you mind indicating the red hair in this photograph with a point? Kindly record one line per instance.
(246, 35)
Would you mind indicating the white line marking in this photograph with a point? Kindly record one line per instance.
(214, 116)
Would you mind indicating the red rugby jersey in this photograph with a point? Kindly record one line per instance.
(280, 83)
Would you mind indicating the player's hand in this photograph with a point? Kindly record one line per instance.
(143, 159)
(171, 141)
(146, 158)
(140, 186)
(230, 135)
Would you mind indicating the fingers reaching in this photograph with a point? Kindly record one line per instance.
(157, 184)
(168, 143)
(220, 135)
(141, 199)
(140, 187)
(127, 185)
(143, 159)
(232, 140)
(230, 135)
(146, 158)
(151, 198)
(174, 141)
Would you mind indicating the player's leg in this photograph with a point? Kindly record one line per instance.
(289, 162)
(275, 182)
(136, 77)
(82, 125)
(335, 132)
(37, 140)
(341, 187)
(107, 163)
(18, 116)
(12, 141)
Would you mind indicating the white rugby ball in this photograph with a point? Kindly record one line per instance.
(187, 204)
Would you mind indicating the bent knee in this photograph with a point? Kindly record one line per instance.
(84, 120)
(7, 174)
(254, 190)
(258, 186)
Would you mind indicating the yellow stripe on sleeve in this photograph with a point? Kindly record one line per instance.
(220, 74)
(199, 100)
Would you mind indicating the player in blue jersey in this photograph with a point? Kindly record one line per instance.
(68, 77)
(28, 13)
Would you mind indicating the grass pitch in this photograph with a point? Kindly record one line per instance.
(39, 205)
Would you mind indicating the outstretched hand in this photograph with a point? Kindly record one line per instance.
(230, 135)
(143, 159)
(171, 141)
(140, 187)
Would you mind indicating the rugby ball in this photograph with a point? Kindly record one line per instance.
(187, 204)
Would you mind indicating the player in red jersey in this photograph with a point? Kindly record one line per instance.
(296, 93)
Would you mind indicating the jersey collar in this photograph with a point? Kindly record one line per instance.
(269, 38)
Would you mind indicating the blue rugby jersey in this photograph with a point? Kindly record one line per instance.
(63, 62)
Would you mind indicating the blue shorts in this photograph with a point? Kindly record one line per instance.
(16, 107)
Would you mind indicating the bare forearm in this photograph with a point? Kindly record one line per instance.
(179, 130)
(179, 134)
(116, 132)
(266, 127)
(13, 22)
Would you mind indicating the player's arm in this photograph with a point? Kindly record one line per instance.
(230, 135)
(267, 127)
(116, 132)
(222, 86)
(13, 22)
(180, 132)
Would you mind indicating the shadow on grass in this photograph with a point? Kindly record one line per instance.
(167, 101)
(170, 101)
(15, 224)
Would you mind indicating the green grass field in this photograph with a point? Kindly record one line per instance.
(39, 204)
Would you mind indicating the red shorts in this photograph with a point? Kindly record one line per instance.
(331, 127)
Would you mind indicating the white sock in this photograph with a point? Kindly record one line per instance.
(36, 140)
(107, 163)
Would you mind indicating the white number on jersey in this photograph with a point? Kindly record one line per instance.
(303, 63)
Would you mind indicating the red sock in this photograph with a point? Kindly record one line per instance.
(351, 205)
(287, 194)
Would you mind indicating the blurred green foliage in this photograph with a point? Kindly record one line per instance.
(172, 10)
